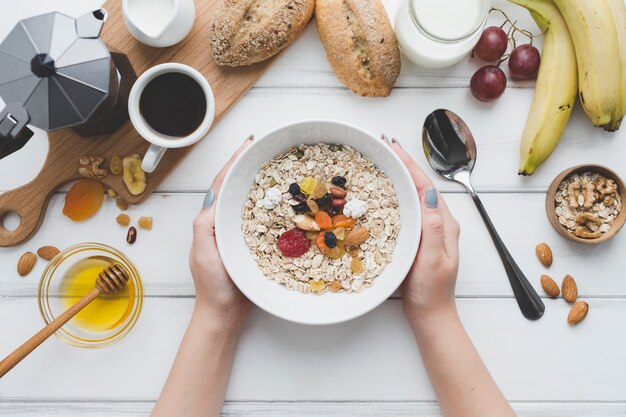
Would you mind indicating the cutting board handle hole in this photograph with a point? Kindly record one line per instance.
(10, 221)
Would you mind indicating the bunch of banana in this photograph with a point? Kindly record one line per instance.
(594, 33)
(556, 88)
(619, 14)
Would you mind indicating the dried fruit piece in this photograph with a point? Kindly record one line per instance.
(306, 223)
(577, 313)
(544, 253)
(145, 223)
(356, 236)
(340, 232)
(293, 243)
(123, 219)
(121, 204)
(339, 181)
(355, 252)
(335, 286)
(549, 286)
(26, 263)
(131, 236)
(342, 221)
(336, 252)
(116, 165)
(330, 239)
(569, 289)
(319, 241)
(317, 286)
(356, 266)
(307, 185)
(300, 207)
(311, 235)
(111, 193)
(323, 220)
(313, 206)
(83, 200)
(134, 177)
(320, 190)
(47, 252)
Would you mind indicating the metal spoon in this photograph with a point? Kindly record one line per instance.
(451, 151)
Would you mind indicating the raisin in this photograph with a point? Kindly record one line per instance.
(325, 202)
(294, 189)
(339, 181)
(300, 198)
(330, 239)
(300, 207)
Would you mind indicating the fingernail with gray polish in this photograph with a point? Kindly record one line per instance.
(431, 198)
(209, 199)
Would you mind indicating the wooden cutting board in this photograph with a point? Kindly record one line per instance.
(66, 147)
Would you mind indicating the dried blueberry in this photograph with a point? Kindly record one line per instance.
(325, 202)
(332, 211)
(300, 208)
(294, 189)
(339, 181)
(330, 239)
(300, 198)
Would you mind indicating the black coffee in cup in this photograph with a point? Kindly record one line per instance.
(173, 104)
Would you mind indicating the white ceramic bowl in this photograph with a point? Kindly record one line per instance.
(276, 299)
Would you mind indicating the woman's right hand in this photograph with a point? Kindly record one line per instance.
(428, 290)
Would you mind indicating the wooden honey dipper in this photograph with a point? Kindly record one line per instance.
(111, 280)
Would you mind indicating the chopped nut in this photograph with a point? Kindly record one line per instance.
(145, 223)
(123, 219)
(91, 167)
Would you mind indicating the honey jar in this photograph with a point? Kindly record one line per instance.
(71, 275)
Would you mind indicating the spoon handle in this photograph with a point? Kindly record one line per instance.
(527, 298)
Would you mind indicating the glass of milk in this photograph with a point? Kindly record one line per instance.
(440, 33)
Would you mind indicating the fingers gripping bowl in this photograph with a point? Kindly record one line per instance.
(329, 307)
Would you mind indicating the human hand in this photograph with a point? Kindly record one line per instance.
(216, 294)
(428, 290)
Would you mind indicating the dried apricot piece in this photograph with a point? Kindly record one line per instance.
(343, 221)
(123, 219)
(145, 223)
(319, 241)
(323, 220)
(83, 200)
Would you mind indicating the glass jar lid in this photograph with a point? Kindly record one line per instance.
(449, 21)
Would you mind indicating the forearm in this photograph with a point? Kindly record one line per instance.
(198, 380)
(460, 379)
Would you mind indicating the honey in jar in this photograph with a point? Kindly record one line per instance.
(106, 312)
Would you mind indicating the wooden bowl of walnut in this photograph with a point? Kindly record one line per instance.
(583, 203)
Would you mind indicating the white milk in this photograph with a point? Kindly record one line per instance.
(447, 19)
(151, 16)
(440, 33)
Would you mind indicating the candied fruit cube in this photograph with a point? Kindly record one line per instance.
(123, 219)
(145, 223)
(307, 185)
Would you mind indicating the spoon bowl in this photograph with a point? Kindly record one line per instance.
(451, 152)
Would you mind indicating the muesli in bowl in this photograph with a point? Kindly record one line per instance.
(321, 218)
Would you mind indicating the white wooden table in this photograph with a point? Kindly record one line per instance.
(370, 366)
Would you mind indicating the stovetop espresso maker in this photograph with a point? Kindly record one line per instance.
(55, 72)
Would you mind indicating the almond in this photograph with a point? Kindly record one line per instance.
(26, 263)
(550, 287)
(306, 223)
(544, 253)
(577, 313)
(47, 252)
(569, 289)
(356, 236)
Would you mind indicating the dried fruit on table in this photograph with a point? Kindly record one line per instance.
(145, 223)
(121, 204)
(317, 286)
(26, 263)
(319, 241)
(342, 221)
(116, 165)
(83, 200)
(47, 252)
(569, 289)
(577, 313)
(356, 236)
(323, 220)
(544, 253)
(356, 266)
(307, 185)
(293, 243)
(123, 219)
(134, 177)
(335, 286)
(549, 286)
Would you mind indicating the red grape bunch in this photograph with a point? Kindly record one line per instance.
(489, 82)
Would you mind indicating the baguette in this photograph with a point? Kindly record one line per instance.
(360, 44)
(244, 32)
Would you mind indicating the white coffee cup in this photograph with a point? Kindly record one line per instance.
(160, 142)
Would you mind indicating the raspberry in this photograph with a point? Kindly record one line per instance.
(293, 243)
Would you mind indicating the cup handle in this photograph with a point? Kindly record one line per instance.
(152, 158)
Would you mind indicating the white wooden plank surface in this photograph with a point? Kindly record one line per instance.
(302, 409)
(373, 358)
(520, 218)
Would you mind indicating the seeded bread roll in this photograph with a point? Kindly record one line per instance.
(244, 32)
(360, 44)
